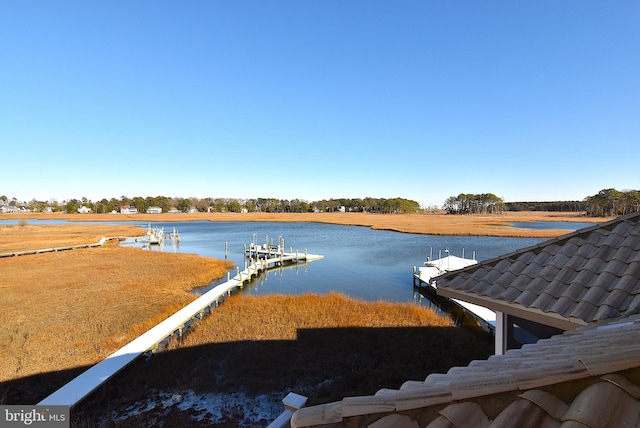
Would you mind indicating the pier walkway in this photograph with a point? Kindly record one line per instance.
(83, 385)
(100, 243)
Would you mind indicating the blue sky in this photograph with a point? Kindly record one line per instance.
(529, 100)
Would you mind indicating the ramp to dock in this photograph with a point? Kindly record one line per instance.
(84, 384)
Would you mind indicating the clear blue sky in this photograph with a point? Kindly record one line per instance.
(529, 99)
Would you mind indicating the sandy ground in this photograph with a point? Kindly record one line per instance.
(434, 224)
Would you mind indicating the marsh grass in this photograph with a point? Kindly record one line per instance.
(74, 308)
(434, 224)
(323, 346)
(25, 236)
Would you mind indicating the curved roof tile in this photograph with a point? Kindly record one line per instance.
(598, 265)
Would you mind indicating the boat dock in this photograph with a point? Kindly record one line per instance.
(174, 326)
(422, 276)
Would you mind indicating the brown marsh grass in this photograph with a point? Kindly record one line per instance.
(432, 223)
(323, 346)
(280, 317)
(24, 236)
(73, 308)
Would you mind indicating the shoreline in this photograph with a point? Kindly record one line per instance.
(427, 224)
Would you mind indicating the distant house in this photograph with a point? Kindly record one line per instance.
(154, 210)
(580, 294)
(127, 209)
(173, 210)
(193, 210)
(84, 210)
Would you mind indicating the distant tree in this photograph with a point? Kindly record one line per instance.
(233, 206)
(611, 202)
(71, 207)
(183, 205)
(251, 205)
(468, 203)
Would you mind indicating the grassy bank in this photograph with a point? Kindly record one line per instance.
(73, 308)
(25, 236)
(434, 224)
(326, 347)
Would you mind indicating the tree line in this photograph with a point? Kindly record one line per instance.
(268, 205)
(469, 203)
(612, 202)
(606, 203)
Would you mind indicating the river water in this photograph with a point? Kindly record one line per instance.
(360, 262)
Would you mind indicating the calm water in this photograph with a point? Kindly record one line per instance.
(563, 225)
(358, 261)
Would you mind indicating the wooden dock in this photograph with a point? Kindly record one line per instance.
(100, 243)
(148, 343)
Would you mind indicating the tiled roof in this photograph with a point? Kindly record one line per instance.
(587, 377)
(588, 275)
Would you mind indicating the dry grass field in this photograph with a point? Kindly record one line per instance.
(72, 308)
(25, 236)
(323, 346)
(434, 224)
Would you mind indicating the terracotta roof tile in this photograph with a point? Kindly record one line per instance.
(526, 258)
(594, 295)
(525, 414)
(526, 298)
(603, 402)
(606, 281)
(505, 279)
(615, 267)
(634, 268)
(584, 310)
(576, 262)
(596, 369)
(562, 306)
(626, 255)
(628, 283)
(587, 250)
(618, 299)
(614, 240)
(576, 290)
(605, 311)
(605, 257)
(541, 302)
(508, 294)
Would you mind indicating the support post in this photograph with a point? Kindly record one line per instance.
(501, 333)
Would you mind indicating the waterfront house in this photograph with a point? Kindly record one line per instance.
(128, 209)
(154, 210)
(581, 294)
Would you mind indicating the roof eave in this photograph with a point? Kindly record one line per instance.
(532, 314)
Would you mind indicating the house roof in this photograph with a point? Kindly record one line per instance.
(588, 275)
(586, 377)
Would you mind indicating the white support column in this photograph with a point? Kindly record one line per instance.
(501, 333)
